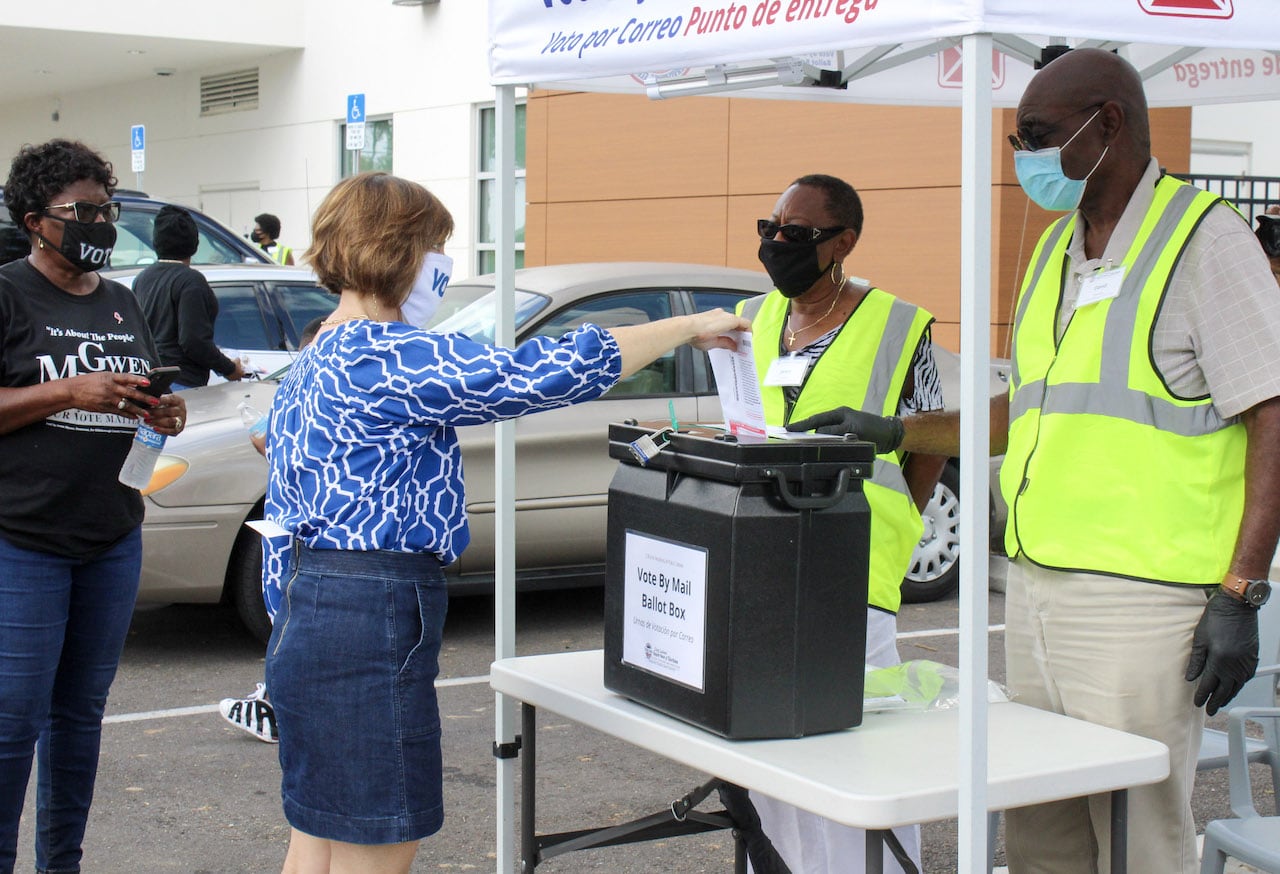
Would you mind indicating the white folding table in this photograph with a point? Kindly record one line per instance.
(896, 768)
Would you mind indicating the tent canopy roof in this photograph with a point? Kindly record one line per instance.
(877, 51)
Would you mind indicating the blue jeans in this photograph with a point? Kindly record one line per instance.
(63, 623)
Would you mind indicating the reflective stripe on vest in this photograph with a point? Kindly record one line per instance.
(865, 367)
(280, 253)
(1107, 470)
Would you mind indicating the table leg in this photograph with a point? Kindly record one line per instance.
(1119, 831)
(875, 852)
(528, 777)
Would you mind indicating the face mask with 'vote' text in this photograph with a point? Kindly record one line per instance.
(428, 290)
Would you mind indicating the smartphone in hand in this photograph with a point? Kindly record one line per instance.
(161, 379)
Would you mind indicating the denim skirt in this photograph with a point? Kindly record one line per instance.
(351, 669)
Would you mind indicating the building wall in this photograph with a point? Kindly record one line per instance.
(619, 177)
(1250, 130)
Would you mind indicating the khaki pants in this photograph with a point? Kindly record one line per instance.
(1113, 652)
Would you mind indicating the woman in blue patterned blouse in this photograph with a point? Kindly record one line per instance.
(366, 475)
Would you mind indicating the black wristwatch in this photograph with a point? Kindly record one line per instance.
(1255, 593)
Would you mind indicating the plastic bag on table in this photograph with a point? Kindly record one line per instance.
(919, 684)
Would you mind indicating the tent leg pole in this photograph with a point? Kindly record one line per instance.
(504, 459)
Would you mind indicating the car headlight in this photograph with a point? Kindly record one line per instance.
(169, 469)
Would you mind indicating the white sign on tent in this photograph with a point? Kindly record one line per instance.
(889, 51)
(973, 53)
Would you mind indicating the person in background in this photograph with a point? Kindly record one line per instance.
(823, 339)
(180, 306)
(253, 713)
(1142, 456)
(1268, 234)
(266, 231)
(74, 348)
(365, 473)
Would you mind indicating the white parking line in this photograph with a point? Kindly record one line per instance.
(453, 681)
(940, 632)
(213, 708)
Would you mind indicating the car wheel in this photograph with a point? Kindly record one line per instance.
(244, 584)
(935, 565)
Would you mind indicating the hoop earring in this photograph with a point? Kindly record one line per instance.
(837, 282)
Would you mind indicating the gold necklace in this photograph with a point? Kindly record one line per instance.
(791, 335)
(338, 321)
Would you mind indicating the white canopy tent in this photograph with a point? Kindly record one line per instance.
(975, 53)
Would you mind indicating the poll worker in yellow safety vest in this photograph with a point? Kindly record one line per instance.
(266, 228)
(1142, 456)
(823, 339)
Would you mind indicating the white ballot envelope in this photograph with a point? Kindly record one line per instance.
(739, 388)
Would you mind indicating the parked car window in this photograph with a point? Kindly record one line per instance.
(240, 324)
(476, 319)
(725, 300)
(134, 233)
(704, 379)
(301, 303)
(217, 244)
(617, 311)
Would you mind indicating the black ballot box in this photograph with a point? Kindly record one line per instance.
(736, 580)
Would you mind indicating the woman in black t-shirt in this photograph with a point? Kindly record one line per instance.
(74, 348)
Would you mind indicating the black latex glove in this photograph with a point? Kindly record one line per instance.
(884, 431)
(1224, 651)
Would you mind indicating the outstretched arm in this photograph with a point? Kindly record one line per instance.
(641, 344)
(939, 433)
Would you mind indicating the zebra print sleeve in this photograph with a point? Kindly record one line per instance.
(928, 385)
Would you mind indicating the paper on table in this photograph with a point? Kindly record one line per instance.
(739, 388)
(267, 528)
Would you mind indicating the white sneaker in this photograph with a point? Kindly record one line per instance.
(252, 714)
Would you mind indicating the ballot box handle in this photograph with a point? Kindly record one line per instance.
(839, 488)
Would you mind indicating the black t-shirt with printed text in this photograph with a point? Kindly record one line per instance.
(59, 491)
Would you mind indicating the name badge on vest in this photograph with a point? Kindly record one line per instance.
(787, 371)
(1100, 285)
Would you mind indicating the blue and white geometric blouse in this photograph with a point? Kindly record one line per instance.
(362, 452)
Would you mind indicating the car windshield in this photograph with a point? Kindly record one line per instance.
(476, 320)
(133, 246)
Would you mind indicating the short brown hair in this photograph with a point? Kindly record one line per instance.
(371, 233)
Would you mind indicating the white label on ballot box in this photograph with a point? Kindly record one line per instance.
(665, 608)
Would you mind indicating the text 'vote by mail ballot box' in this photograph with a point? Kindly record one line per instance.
(736, 581)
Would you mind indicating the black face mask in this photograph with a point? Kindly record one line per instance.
(1268, 233)
(85, 245)
(256, 236)
(793, 267)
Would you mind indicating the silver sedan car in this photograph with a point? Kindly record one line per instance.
(210, 481)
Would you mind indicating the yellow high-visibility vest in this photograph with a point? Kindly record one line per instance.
(280, 253)
(1107, 470)
(865, 368)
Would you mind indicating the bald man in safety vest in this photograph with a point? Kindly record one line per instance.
(1142, 455)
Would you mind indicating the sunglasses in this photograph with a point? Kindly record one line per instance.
(1025, 141)
(768, 229)
(86, 211)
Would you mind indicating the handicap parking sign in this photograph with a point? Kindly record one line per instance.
(355, 109)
